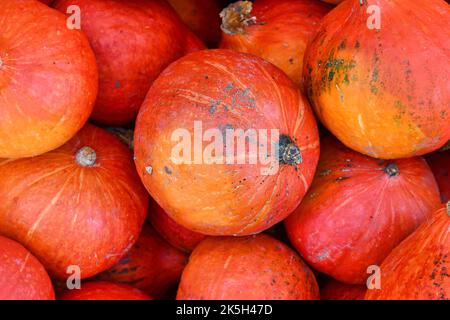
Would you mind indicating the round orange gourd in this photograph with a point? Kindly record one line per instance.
(22, 276)
(358, 209)
(247, 268)
(418, 268)
(102, 290)
(378, 77)
(275, 30)
(80, 205)
(48, 79)
(229, 94)
(133, 41)
(152, 265)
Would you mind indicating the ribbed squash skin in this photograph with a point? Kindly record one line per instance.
(280, 34)
(22, 276)
(224, 89)
(418, 268)
(384, 93)
(48, 79)
(247, 268)
(133, 41)
(67, 214)
(358, 209)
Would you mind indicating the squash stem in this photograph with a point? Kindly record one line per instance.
(236, 17)
(289, 152)
(86, 157)
(392, 170)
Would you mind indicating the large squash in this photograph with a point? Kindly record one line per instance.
(418, 269)
(358, 209)
(48, 79)
(133, 41)
(378, 76)
(22, 276)
(81, 205)
(225, 143)
(275, 30)
(256, 268)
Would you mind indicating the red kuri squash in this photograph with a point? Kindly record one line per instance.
(81, 205)
(133, 40)
(48, 79)
(102, 290)
(152, 265)
(255, 267)
(378, 76)
(22, 276)
(439, 163)
(335, 290)
(177, 235)
(418, 269)
(275, 30)
(202, 17)
(358, 209)
(225, 143)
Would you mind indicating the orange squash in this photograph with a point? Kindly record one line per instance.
(48, 79)
(231, 189)
(80, 205)
(256, 267)
(418, 269)
(133, 41)
(275, 30)
(22, 276)
(378, 76)
(358, 209)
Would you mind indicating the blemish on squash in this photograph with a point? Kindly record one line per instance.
(149, 169)
(167, 170)
(339, 179)
(118, 84)
(325, 172)
(357, 45)
(289, 153)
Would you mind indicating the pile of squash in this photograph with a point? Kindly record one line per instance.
(349, 200)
